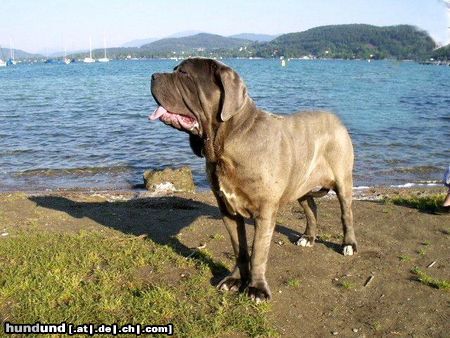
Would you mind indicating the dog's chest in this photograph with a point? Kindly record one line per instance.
(226, 184)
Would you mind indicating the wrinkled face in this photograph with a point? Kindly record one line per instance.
(198, 94)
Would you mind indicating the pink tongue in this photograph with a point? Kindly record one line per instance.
(160, 111)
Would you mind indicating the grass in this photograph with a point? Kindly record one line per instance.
(421, 252)
(377, 326)
(217, 237)
(426, 279)
(104, 277)
(347, 285)
(430, 203)
(404, 258)
(294, 283)
(325, 236)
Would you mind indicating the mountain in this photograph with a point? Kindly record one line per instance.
(18, 54)
(138, 42)
(183, 34)
(358, 41)
(198, 42)
(254, 37)
(352, 41)
(141, 42)
(442, 54)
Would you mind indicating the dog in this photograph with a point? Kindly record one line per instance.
(256, 161)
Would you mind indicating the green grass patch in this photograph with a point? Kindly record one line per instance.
(347, 285)
(217, 237)
(294, 283)
(404, 258)
(94, 277)
(430, 203)
(326, 236)
(377, 326)
(421, 252)
(426, 279)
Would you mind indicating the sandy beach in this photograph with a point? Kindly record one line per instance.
(316, 291)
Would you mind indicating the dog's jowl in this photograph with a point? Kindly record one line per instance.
(256, 160)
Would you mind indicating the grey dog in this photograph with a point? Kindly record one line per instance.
(256, 161)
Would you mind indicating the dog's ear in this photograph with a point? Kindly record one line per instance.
(234, 92)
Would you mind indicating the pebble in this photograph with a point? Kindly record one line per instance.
(355, 330)
(335, 333)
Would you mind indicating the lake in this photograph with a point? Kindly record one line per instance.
(84, 126)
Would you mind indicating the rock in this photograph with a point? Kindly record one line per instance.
(169, 180)
(355, 330)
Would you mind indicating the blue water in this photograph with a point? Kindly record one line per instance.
(85, 125)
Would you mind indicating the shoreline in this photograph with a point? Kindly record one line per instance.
(359, 193)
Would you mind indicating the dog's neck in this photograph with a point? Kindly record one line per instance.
(219, 131)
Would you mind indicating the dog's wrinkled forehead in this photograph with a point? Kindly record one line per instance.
(198, 66)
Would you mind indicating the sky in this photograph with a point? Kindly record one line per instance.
(52, 25)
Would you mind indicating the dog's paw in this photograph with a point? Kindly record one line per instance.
(348, 250)
(304, 242)
(259, 292)
(230, 283)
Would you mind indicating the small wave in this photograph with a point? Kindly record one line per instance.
(423, 169)
(82, 171)
(16, 152)
(362, 187)
(411, 185)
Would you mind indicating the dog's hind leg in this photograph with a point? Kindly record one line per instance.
(344, 194)
(310, 208)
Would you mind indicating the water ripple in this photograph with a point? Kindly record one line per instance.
(86, 126)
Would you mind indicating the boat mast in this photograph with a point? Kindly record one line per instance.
(11, 50)
(90, 47)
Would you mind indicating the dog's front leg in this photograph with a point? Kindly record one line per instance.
(238, 279)
(264, 226)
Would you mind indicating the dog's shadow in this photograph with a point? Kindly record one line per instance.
(160, 219)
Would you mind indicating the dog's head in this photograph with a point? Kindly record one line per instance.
(197, 96)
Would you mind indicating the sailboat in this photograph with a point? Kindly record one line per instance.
(11, 61)
(66, 59)
(2, 63)
(104, 59)
(89, 59)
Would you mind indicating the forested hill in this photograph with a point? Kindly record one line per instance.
(442, 54)
(352, 41)
(356, 41)
(5, 53)
(201, 41)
